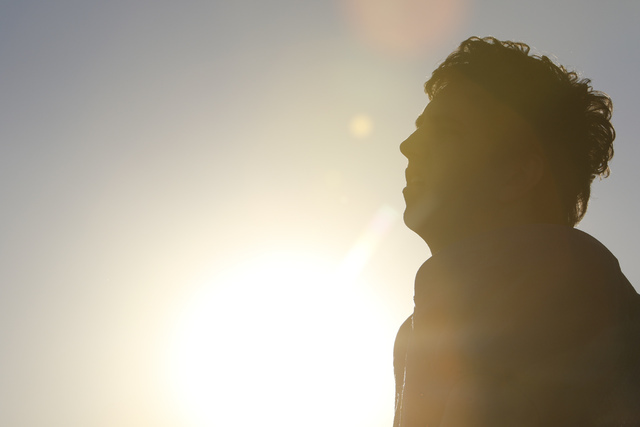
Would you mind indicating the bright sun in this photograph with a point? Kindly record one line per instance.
(283, 340)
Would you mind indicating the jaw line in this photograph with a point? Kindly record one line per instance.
(418, 212)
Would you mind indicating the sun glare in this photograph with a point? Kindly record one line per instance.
(360, 126)
(283, 340)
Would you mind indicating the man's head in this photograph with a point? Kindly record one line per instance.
(507, 138)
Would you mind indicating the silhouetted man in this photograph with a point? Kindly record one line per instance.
(519, 319)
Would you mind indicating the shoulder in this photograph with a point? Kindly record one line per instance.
(400, 346)
(404, 331)
(399, 362)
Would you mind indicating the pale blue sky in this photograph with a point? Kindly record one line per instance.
(146, 145)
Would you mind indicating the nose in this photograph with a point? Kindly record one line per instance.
(409, 146)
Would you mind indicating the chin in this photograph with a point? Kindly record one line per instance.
(419, 213)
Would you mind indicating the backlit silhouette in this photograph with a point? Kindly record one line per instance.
(519, 319)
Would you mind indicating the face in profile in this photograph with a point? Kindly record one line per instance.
(451, 161)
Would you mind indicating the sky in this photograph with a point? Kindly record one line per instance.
(201, 218)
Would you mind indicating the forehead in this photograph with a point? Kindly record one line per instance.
(471, 110)
(460, 103)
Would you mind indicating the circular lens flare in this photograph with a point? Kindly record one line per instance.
(360, 126)
(403, 27)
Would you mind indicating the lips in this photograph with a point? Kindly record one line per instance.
(415, 185)
(413, 178)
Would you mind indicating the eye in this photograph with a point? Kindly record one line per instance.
(440, 134)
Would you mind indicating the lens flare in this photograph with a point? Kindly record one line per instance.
(360, 253)
(360, 126)
(403, 27)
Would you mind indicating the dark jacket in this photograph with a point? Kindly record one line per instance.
(532, 325)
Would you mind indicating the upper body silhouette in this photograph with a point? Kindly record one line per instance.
(519, 319)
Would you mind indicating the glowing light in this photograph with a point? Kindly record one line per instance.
(360, 126)
(283, 340)
(403, 27)
(368, 242)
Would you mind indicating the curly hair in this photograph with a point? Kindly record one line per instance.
(571, 120)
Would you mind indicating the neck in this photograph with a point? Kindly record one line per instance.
(450, 230)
